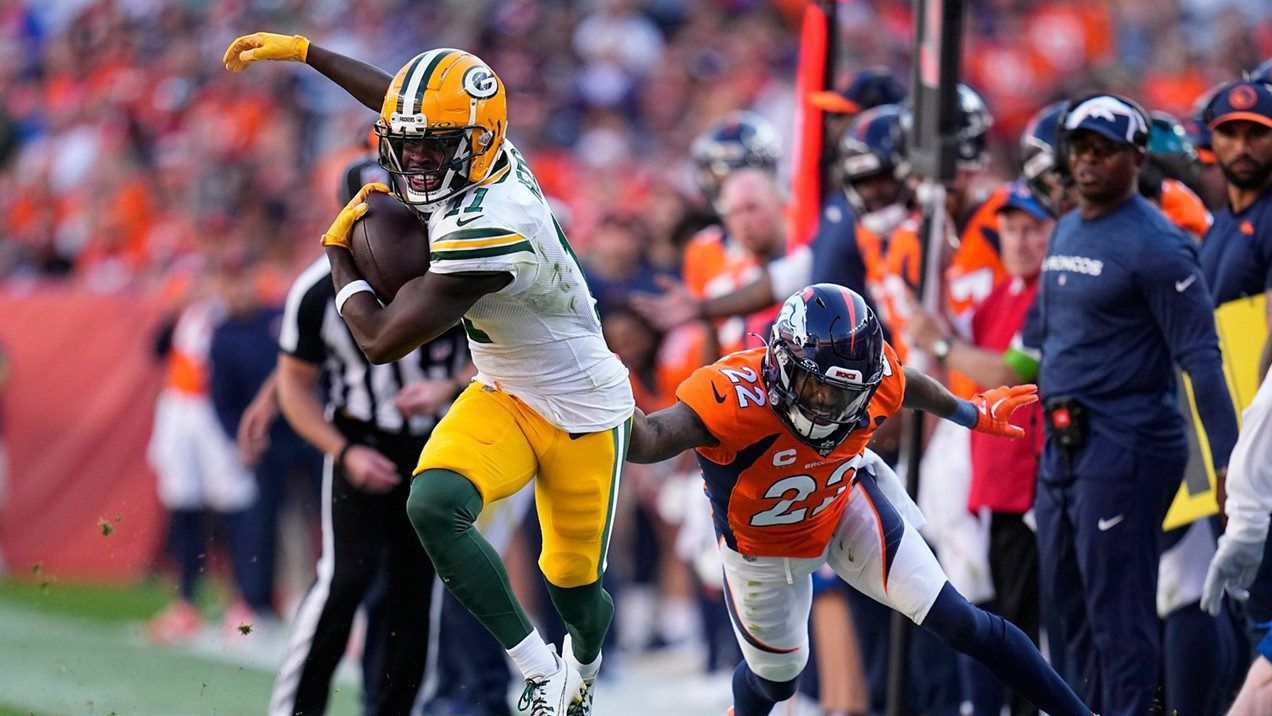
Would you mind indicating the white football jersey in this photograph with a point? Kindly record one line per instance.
(539, 339)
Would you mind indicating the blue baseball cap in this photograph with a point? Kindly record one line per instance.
(871, 87)
(1112, 117)
(1019, 198)
(1248, 101)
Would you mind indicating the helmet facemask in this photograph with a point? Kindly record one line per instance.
(1046, 179)
(428, 168)
(819, 408)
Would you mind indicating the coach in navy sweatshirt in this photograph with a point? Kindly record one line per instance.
(1122, 300)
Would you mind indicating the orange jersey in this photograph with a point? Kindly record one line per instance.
(973, 270)
(715, 266)
(772, 495)
(191, 341)
(1185, 209)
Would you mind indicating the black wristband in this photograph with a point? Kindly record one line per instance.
(340, 456)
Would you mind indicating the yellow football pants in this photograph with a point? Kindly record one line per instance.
(498, 443)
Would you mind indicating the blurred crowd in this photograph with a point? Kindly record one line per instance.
(130, 160)
(126, 149)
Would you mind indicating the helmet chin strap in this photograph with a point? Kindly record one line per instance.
(808, 428)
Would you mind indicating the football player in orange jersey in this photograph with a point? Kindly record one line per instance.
(848, 247)
(967, 269)
(781, 435)
(718, 259)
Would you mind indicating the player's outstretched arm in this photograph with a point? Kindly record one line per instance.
(367, 83)
(666, 434)
(987, 412)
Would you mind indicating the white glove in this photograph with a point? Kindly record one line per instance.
(1232, 569)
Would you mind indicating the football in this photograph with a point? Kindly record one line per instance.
(389, 244)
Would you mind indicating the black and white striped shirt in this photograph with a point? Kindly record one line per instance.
(313, 332)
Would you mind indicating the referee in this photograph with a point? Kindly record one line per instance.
(374, 421)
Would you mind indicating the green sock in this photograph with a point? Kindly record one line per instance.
(587, 612)
(443, 506)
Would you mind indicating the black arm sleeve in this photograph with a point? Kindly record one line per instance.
(162, 344)
(303, 315)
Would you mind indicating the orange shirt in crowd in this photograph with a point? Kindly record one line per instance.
(1011, 76)
(1185, 209)
(1173, 92)
(1071, 35)
(191, 341)
(715, 265)
(683, 350)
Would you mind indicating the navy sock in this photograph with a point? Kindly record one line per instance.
(1003, 649)
(756, 696)
(1194, 686)
(189, 545)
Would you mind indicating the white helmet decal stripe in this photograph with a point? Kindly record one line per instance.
(412, 87)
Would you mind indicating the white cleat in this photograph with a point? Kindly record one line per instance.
(582, 707)
(552, 695)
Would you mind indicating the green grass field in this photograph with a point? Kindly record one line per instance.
(78, 650)
(75, 650)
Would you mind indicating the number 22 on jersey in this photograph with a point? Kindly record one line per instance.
(792, 490)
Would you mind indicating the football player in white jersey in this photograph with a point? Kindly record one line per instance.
(550, 399)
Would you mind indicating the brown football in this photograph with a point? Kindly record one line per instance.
(390, 245)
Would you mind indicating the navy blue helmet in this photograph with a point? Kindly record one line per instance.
(974, 121)
(1196, 127)
(1038, 146)
(873, 168)
(873, 144)
(825, 360)
(873, 87)
(742, 139)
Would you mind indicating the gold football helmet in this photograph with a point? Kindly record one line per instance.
(441, 127)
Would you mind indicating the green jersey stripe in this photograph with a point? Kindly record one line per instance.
(481, 253)
(620, 435)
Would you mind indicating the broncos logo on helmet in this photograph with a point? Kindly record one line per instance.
(441, 127)
(825, 360)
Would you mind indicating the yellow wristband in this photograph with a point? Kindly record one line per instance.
(302, 46)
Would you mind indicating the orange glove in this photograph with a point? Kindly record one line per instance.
(995, 406)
